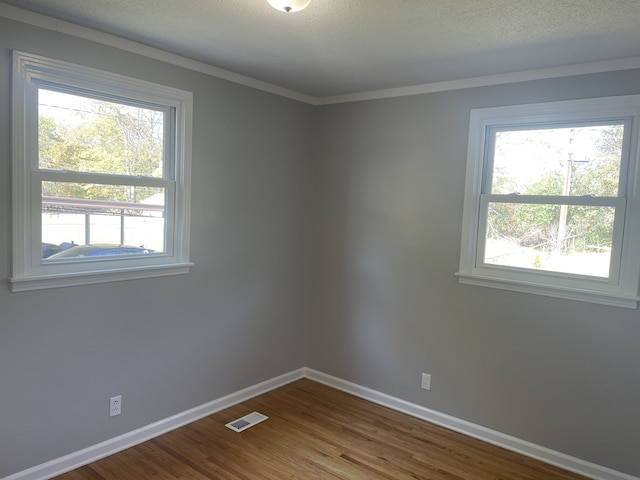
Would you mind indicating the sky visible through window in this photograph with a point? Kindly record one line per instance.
(527, 156)
(100, 137)
(577, 161)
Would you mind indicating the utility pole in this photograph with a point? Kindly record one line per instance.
(566, 190)
(564, 209)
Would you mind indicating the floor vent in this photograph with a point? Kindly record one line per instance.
(247, 421)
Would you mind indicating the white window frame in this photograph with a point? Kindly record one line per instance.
(29, 272)
(621, 288)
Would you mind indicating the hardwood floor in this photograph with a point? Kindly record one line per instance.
(316, 432)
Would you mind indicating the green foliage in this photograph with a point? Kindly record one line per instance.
(599, 177)
(586, 228)
(107, 139)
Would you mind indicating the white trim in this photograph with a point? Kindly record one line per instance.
(629, 63)
(117, 444)
(602, 298)
(97, 276)
(493, 437)
(620, 289)
(29, 272)
(49, 23)
(43, 21)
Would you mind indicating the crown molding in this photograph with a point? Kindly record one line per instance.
(49, 23)
(629, 63)
(43, 21)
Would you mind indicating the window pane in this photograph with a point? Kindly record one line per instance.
(556, 238)
(83, 134)
(562, 161)
(93, 214)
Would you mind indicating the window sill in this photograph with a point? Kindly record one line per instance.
(102, 276)
(603, 298)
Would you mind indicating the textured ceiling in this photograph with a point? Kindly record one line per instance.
(336, 47)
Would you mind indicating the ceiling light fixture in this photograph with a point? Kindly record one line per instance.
(289, 6)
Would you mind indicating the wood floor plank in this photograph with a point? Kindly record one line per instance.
(316, 432)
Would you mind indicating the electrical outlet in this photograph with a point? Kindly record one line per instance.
(115, 406)
(426, 381)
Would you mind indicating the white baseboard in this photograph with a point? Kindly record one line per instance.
(122, 442)
(508, 442)
(96, 452)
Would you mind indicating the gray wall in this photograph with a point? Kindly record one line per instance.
(387, 306)
(172, 343)
(325, 237)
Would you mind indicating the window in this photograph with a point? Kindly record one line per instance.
(551, 202)
(101, 168)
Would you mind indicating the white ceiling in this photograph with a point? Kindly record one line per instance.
(338, 47)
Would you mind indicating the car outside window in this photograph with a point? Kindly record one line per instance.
(101, 176)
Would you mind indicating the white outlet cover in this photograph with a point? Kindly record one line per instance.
(426, 381)
(115, 406)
